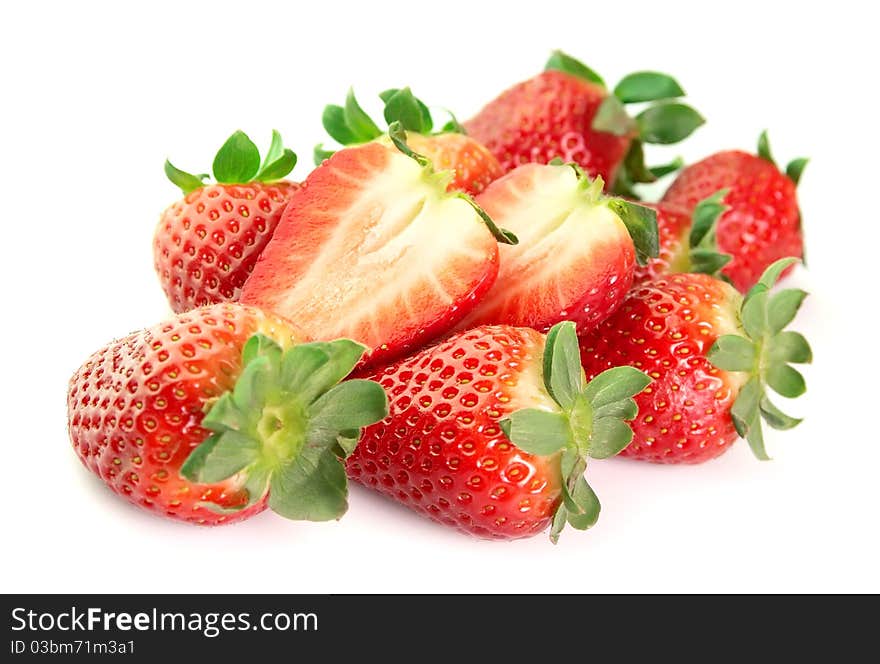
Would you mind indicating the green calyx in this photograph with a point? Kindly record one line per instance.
(795, 167)
(589, 421)
(704, 256)
(287, 426)
(397, 134)
(663, 120)
(238, 162)
(765, 351)
(640, 221)
(351, 125)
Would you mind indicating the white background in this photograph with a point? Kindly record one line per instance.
(95, 96)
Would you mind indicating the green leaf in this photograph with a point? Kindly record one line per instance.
(563, 374)
(230, 453)
(259, 345)
(560, 61)
(790, 346)
(253, 384)
(360, 124)
(334, 123)
(588, 506)
(224, 415)
(347, 441)
(641, 222)
(755, 438)
(623, 186)
(746, 416)
(754, 313)
(501, 235)
(186, 181)
(668, 123)
(776, 418)
(277, 169)
(782, 308)
(615, 384)
(795, 169)
(452, 126)
(732, 352)
(707, 261)
(745, 409)
(705, 218)
(771, 274)
(192, 466)
(611, 117)
(634, 162)
(625, 409)
(237, 161)
(610, 436)
(666, 169)
(397, 134)
(764, 148)
(540, 432)
(569, 477)
(402, 106)
(312, 487)
(560, 518)
(311, 369)
(785, 380)
(276, 149)
(647, 86)
(704, 255)
(349, 406)
(319, 154)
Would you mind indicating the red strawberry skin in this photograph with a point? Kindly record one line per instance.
(206, 245)
(374, 249)
(474, 166)
(673, 228)
(135, 408)
(441, 451)
(575, 258)
(665, 327)
(763, 222)
(549, 116)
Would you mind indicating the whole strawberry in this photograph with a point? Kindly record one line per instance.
(216, 413)
(757, 220)
(711, 355)
(490, 431)
(567, 112)
(206, 244)
(473, 166)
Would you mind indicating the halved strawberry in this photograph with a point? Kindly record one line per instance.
(577, 250)
(375, 249)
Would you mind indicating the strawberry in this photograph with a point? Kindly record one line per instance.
(216, 413)
(206, 244)
(567, 112)
(375, 249)
(756, 210)
(490, 431)
(711, 354)
(474, 167)
(576, 253)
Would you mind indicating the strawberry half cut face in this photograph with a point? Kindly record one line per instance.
(375, 249)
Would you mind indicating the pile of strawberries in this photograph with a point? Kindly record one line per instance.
(459, 319)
